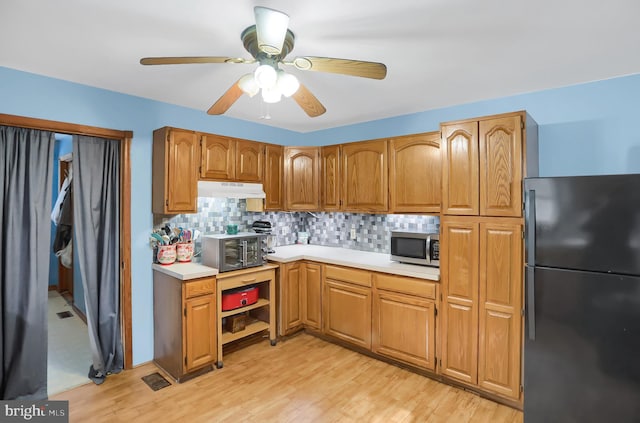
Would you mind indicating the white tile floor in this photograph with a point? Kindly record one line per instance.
(69, 356)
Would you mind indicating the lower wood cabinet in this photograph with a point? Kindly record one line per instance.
(404, 322)
(184, 322)
(347, 305)
(481, 271)
(290, 318)
(300, 297)
(312, 296)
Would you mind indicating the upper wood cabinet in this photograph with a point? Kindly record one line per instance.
(365, 184)
(483, 163)
(330, 181)
(460, 169)
(302, 178)
(249, 161)
(501, 167)
(273, 180)
(481, 279)
(218, 157)
(175, 171)
(415, 173)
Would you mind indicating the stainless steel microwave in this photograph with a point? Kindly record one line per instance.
(233, 252)
(416, 248)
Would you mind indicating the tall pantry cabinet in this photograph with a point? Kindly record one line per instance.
(483, 163)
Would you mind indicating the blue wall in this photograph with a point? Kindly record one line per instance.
(62, 147)
(584, 129)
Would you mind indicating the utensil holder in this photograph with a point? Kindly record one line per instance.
(166, 254)
(184, 251)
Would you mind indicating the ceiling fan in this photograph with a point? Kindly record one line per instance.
(269, 41)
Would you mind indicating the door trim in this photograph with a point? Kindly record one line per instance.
(125, 138)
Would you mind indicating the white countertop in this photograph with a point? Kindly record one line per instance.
(378, 262)
(186, 271)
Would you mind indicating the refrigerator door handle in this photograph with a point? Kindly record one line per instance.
(531, 302)
(530, 222)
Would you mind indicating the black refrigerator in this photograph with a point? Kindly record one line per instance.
(582, 299)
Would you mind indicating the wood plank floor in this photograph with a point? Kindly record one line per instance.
(302, 379)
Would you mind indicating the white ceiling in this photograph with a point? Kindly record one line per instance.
(438, 52)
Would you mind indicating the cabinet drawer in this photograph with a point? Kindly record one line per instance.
(200, 287)
(405, 285)
(245, 279)
(355, 276)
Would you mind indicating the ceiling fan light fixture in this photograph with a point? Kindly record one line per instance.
(271, 95)
(265, 76)
(271, 28)
(287, 84)
(248, 85)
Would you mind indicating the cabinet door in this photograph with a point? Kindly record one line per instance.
(312, 296)
(501, 167)
(302, 178)
(500, 336)
(330, 177)
(273, 177)
(459, 279)
(404, 328)
(175, 171)
(415, 173)
(200, 331)
(291, 298)
(218, 158)
(460, 169)
(365, 185)
(249, 161)
(347, 312)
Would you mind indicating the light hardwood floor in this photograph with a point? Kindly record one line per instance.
(302, 379)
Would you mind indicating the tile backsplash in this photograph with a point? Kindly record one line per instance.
(373, 231)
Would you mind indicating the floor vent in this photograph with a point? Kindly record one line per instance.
(64, 314)
(155, 381)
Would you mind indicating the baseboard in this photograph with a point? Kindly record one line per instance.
(69, 299)
(53, 287)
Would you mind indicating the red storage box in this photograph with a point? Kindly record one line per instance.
(236, 298)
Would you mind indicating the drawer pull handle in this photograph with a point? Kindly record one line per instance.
(248, 280)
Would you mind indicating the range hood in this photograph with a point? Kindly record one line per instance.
(230, 190)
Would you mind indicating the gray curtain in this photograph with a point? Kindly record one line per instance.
(96, 211)
(26, 172)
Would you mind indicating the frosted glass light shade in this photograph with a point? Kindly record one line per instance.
(265, 76)
(271, 95)
(248, 85)
(287, 84)
(271, 28)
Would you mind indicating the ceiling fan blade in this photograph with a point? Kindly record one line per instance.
(197, 59)
(372, 70)
(308, 102)
(226, 101)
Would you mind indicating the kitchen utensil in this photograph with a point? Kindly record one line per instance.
(232, 229)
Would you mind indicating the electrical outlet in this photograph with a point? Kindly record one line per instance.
(353, 233)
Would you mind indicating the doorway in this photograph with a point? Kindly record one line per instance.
(125, 206)
(69, 351)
